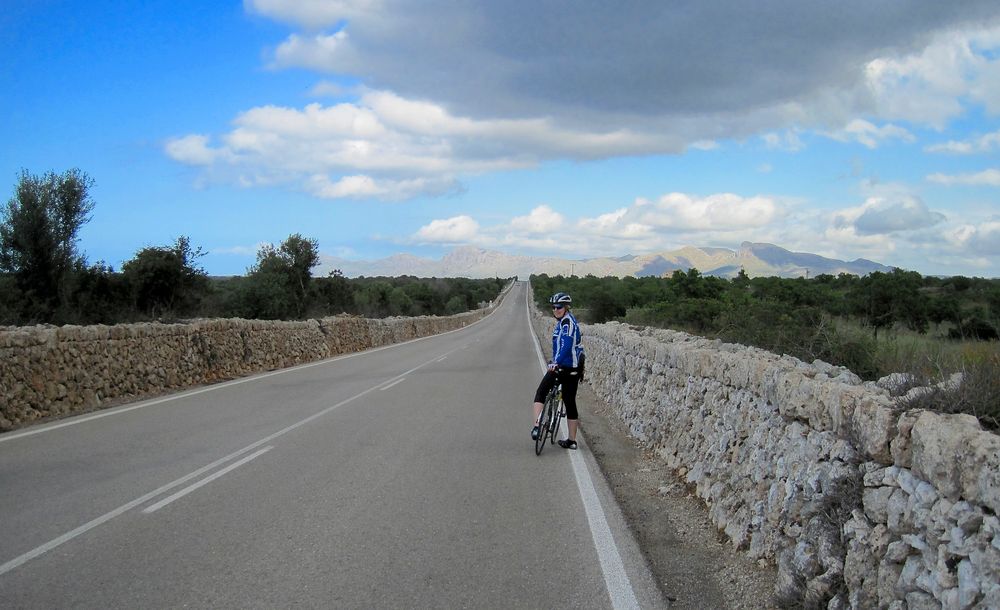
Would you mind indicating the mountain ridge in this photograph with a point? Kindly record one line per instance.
(756, 259)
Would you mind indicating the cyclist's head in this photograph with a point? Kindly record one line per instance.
(560, 300)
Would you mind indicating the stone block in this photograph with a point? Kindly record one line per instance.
(939, 442)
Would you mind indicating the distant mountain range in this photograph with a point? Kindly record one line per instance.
(466, 261)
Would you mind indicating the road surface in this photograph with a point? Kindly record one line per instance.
(398, 477)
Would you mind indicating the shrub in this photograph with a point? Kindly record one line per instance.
(977, 393)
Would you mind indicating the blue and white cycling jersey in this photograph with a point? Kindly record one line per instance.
(566, 348)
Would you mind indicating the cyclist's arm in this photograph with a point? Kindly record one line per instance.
(563, 343)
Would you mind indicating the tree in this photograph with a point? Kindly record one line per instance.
(372, 299)
(333, 294)
(604, 304)
(165, 280)
(98, 296)
(882, 299)
(38, 237)
(282, 275)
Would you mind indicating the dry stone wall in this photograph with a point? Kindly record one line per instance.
(860, 504)
(55, 371)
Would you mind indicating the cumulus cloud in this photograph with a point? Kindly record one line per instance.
(459, 89)
(928, 85)
(982, 239)
(387, 147)
(891, 226)
(329, 89)
(868, 134)
(311, 14)
(644, 226)
(725, 211)
(316, 52)
(988, 177)
(980, 145)
(192, 150)
(895, 227)
(366, 187)
(881, 216)
(457, 229)
(789, 140)
(516, 59)
(542, 219)
(522, 46)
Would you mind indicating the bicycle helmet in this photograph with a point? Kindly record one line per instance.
(561, 298)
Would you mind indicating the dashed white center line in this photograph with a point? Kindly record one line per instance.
(205, 481)
(386, 387)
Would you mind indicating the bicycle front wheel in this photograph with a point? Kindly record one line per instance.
(543, 429)
(556, 418)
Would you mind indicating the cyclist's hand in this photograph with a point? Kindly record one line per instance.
(552, 366)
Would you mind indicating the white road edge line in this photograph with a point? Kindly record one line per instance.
(616, 579)
(180, 494)
(186, 393)
(48, 546)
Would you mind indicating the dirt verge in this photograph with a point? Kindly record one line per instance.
(692, 562)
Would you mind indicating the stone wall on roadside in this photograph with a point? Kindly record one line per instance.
(855, 500)
(48, 371)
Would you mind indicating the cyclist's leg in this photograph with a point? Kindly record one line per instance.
(544, 386)
(569, 387)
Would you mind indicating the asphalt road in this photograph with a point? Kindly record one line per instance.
(400, 477)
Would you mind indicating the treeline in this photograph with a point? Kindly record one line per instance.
(45, 279)
(926, 328)
(834, 318)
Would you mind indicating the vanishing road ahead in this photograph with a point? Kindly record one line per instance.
(400, 477)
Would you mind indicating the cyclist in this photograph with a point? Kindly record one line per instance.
(566, 367)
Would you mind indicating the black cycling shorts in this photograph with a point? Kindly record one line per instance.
(570, 379)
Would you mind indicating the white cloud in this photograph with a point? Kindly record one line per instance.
(311, 14)
(823, 66)
(452, 90)
(192, 150)
(644, 226)
(982, 239)
(845, 238)
(891, 226)
(888, 215)
(705, 145)
(988, 177)
(330, 89)
(386, 147)
(868, 134)
(788, 140)
(457, 229)
(541, 220)
(314, 52)
(932, 84)
(982, 144)
(366, 187)
(724, 211)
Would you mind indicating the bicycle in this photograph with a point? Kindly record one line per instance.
(552, 414)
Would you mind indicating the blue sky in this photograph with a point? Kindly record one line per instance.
(384, 126)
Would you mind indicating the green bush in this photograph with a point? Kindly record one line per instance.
(977, 393)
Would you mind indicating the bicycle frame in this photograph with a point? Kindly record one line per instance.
(552, 413)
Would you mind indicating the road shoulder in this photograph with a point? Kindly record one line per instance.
(693, 564)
